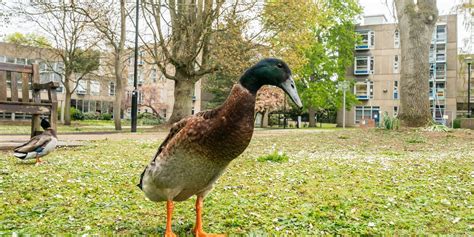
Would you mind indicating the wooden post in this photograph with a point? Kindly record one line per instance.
(3, 86)
(53, 116)
(25, 90)
(35, 118)
(14, 86)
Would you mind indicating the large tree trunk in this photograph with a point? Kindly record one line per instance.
(265, 118)
(67, 108)
(183, 93)
(416, 23)
(119, 89)
(311, 114)
(67, 99)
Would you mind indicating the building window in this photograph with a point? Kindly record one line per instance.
(441, 33)
(364, 90)
(10, 60)
(82, 88)
(363, 65)
(21, 61)
(367, 112)
(395, 90)
(395, 111)
(153, 75)
(112, 88)
(367, 40)
(396, 39)
(140, 97)
(440, 71)
(396, 63)
(95, 87)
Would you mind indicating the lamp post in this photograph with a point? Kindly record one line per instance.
(344, 86)
(135, 75)
(468, 60)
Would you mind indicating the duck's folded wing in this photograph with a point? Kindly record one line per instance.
(35, 143)
(173, 131)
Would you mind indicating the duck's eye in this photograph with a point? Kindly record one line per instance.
(280, 65)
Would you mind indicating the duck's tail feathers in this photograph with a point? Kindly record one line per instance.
(140, 185)
(24, 156)
(20, 155)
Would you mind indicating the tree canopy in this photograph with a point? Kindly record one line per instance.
(30, 39)
(317, 39)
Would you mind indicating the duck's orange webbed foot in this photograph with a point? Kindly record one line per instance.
(170, 234)
(198, 232)
(201, 233)
(38, 161)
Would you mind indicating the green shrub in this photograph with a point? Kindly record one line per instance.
(274, 157)
(105, 116)
(390, 123)
(91, 116)
(76, 114)
(436, 127)
(457, 123)
(149, 119)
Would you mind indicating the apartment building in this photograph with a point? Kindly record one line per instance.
(376, 71)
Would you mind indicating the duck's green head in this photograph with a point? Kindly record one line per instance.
(271, 71)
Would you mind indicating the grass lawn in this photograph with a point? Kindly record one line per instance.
(335, 182)
(24, 127)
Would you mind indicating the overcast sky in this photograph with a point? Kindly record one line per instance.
(375, 7)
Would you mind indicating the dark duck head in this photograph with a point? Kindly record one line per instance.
(45, 124)
(271, 71)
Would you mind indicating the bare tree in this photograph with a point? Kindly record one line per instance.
(416, 20)
(111, 24)
(182, 42)
(71, 37)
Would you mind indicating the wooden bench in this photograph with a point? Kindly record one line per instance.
(28, 100)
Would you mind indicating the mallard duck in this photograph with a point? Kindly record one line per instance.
(199, 148)
(38, 146)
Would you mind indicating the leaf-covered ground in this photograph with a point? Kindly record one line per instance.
(337, 182)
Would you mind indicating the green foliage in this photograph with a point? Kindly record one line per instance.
(457, 123)
(275, 156)
(149, 119)
(434, 127)
(30, 39)
(91, 116)
(76, 114)
(390, 123)
(105, 116)
(324, 47)
(84, 61)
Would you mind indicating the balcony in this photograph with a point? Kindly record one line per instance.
(363, 65)
(367, 40)
(363, 90)
(440, 94)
